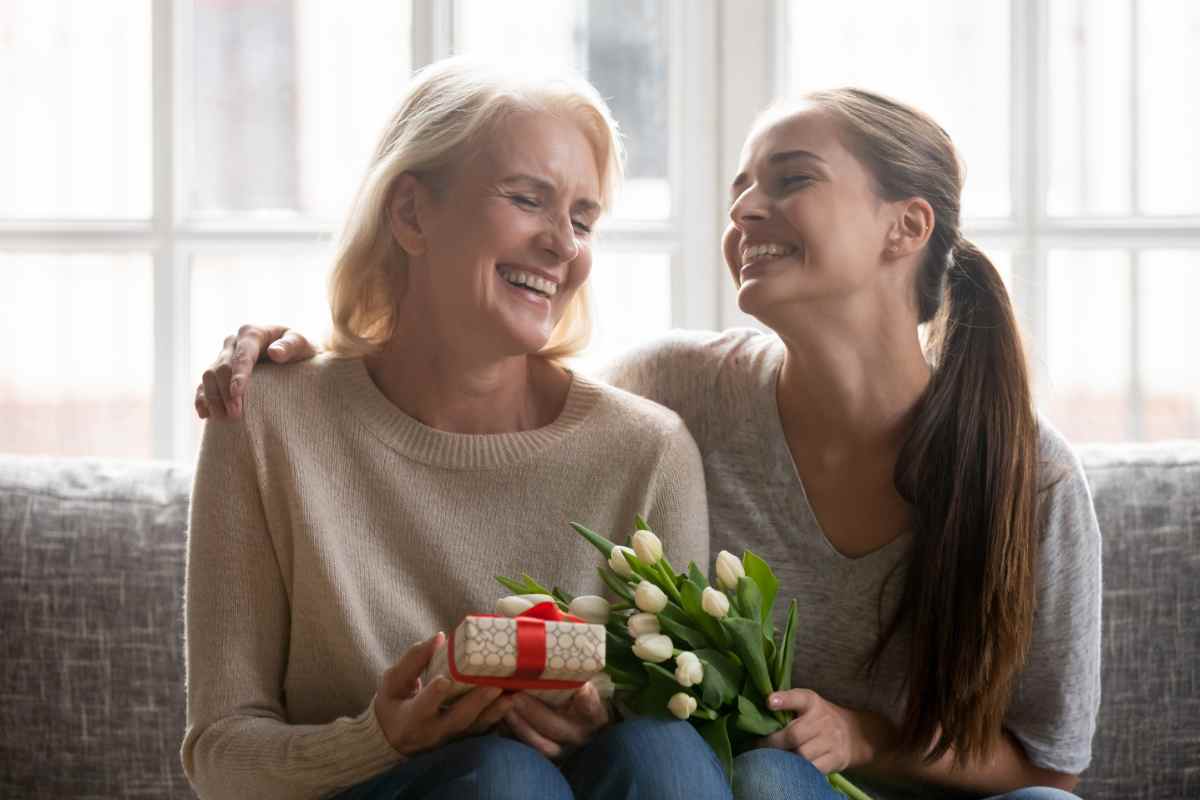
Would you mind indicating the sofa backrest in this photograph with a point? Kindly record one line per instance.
(91, 665)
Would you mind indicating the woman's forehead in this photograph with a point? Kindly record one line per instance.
(804, 128)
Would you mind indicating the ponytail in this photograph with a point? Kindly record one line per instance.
(968, 468)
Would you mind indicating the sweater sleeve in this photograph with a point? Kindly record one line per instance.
(1057, 698)
(238, 741)
(677, 501)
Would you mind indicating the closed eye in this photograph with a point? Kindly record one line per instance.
(525, 201)
(794, 181)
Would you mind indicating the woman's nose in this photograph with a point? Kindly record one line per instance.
(749, 206)
(559, 239)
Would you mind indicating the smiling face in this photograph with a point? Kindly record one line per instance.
(806, 224)
(504, 241)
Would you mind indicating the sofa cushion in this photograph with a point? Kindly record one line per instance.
(91, 576)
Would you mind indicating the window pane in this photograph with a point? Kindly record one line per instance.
(631, 301)
(946, 57)
(85, 388)
(75, 141)
(1169, 344)
(620, 45)
(1089, 97)
(1088, 344)
(290, 96)
(1169, 94)
(231, 289)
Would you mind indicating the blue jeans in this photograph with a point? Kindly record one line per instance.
(640, 759)
(769, 774)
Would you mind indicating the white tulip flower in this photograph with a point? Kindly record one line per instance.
(688, 669)
(714, 602)
(590, 608)
(649, 598)
(642, 624)
(617, 561)
(648, 547)
(729, 570)
(682, 705)
(653, 647)
(517, 604)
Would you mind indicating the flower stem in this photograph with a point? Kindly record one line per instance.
(846, 787)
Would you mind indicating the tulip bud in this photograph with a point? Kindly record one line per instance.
(617, 561)
(682, 705)
(714, 602)
(688, 669)
(648, 547)
(590, 608)
(642, 624)
(649, 597)
(517, 604)
(653, 647)
(729, 570)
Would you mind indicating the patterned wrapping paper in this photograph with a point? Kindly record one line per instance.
(487, 651)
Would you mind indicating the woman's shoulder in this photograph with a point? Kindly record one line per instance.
(631, 412)
(1069, 527)
(283, 392)
(676, 366)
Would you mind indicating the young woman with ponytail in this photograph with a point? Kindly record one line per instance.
(880, 448)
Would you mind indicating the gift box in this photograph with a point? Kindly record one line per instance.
(542, 651)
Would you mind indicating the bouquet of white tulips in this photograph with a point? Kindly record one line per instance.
(678, 646)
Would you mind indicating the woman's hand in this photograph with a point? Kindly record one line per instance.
(411, 715)
(555, 732)
(832, 738)
(220, 393)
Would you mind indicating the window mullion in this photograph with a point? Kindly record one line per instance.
(432, 31)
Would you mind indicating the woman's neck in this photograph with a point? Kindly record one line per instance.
(460, 393)
(851, 382)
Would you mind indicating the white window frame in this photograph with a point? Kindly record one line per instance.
(171, 239)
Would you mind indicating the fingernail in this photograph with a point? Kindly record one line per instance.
(775, 702)
(276, 346)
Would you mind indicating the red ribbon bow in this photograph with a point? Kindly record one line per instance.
(531, 652)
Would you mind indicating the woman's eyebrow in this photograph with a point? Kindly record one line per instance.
(791, 155)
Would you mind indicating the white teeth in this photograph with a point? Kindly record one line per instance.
(535, 282)
(761, 250)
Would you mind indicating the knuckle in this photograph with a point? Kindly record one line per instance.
(230, 341)
(244, 331)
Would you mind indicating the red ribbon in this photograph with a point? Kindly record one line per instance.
(531, 652)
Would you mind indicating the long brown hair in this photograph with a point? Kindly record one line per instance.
(969, 464)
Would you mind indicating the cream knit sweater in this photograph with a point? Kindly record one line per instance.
(330, 531)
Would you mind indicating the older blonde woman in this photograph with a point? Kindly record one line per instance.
(365, 500)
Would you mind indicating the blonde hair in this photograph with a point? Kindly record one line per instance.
(447, 108)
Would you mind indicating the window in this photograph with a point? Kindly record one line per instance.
(178, 167)
(182, 165)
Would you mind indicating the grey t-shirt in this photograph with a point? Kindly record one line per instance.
(723, 386)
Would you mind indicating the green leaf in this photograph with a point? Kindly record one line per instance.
(599, 542)
(747, 643)
(696, 576)
(703, 713)
(716, 733)
(513, 586)
(537, 587)
(627, 678)
(722, 678)
(768, 586)
(751, 719)
(787, 652)
(639, 523)
(749, 599)
(562, 597)
(617, 584)
(682, 633)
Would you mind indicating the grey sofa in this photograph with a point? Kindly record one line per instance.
(91, 667)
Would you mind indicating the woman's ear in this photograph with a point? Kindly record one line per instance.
(913, 227)
(404, 219)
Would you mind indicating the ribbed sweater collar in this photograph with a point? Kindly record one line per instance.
(413, 439)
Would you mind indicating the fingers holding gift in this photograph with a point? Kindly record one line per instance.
(548, 729)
